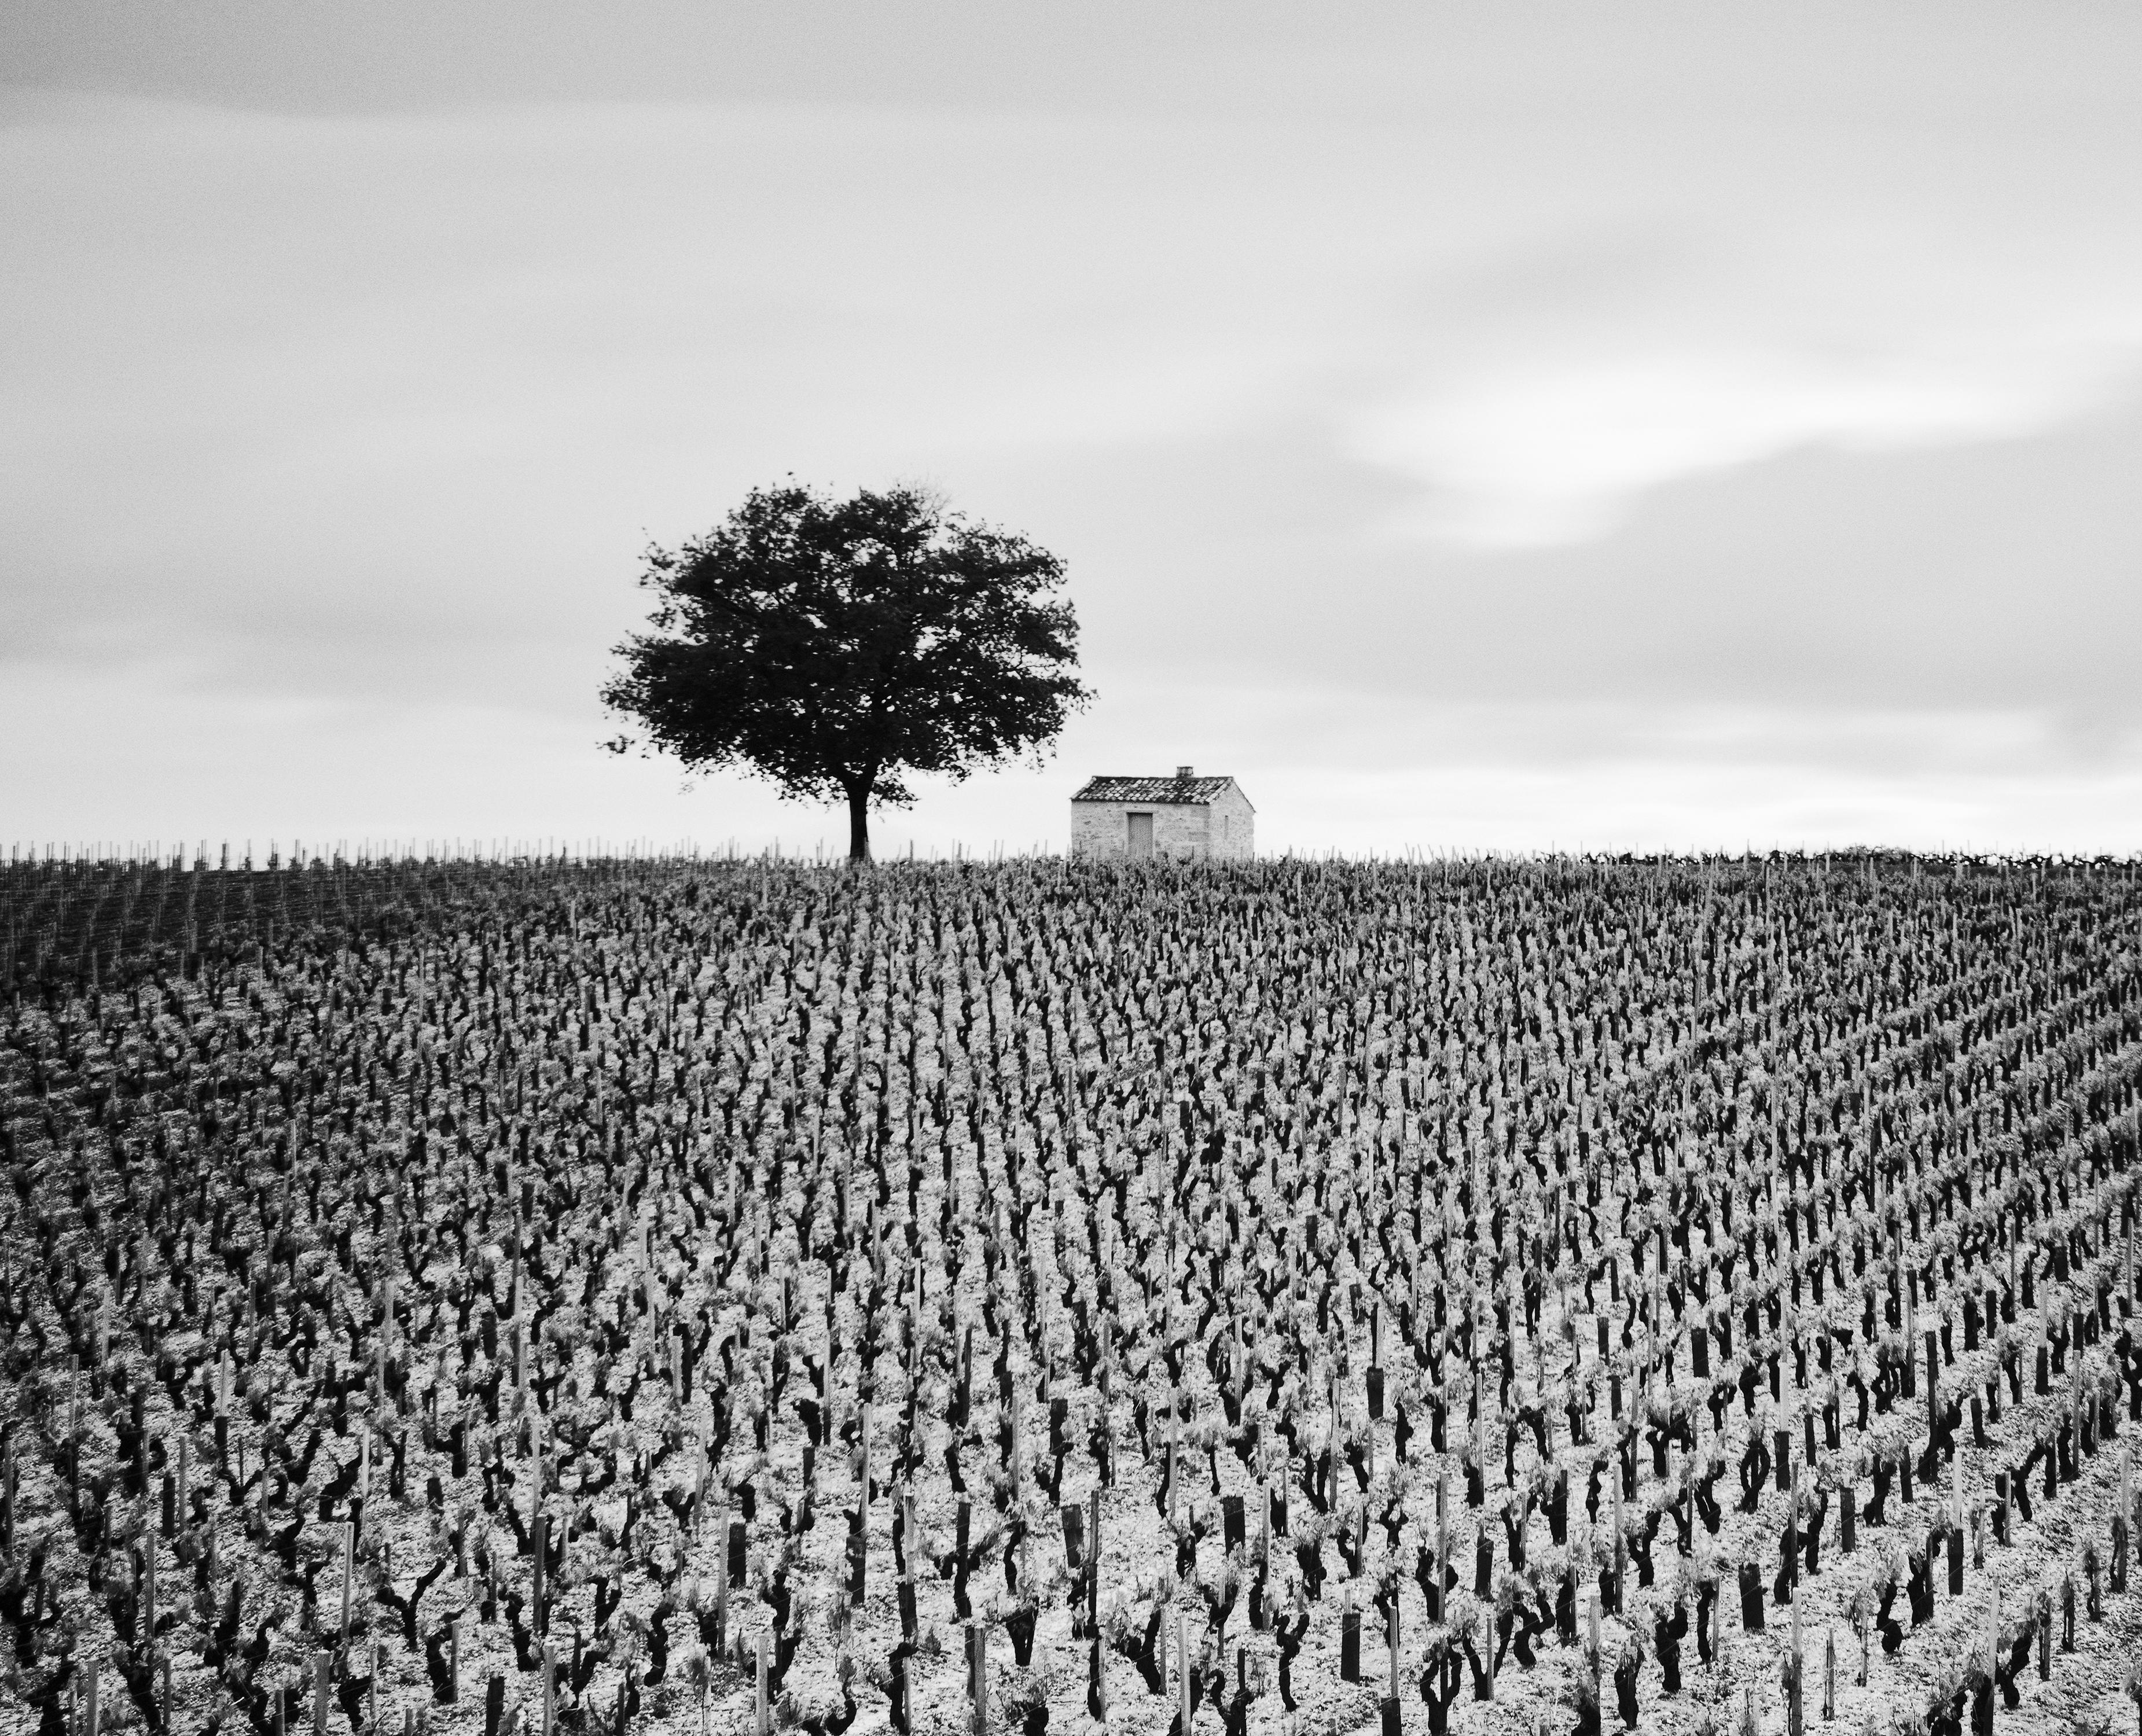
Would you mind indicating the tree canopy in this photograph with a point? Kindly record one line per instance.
(836, 647)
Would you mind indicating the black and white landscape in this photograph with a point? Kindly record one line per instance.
(965, 870)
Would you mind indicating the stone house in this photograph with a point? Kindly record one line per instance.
(1184, 818)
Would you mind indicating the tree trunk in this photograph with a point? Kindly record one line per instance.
(859, 796)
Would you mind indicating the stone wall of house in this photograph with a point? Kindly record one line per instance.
(1232, 826)
(1184, 832)
(1099, 829)
(1103, 829)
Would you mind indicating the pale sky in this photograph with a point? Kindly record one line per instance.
(1478, 427)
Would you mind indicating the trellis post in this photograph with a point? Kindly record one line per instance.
(762, 1720)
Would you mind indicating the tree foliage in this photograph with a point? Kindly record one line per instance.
(837, 647)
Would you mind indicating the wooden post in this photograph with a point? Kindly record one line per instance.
(1185, 1703)
(89, 1709)
(1018, 1444)
(454, 1661)
(762, 1723)
(1093, 1558)
(978, 1679)
(321, 1664)
(348, 1569)
(1264, 1524)
(1442, 1539)
(1639, 1394)
(541, 1539)
(1174, 1465)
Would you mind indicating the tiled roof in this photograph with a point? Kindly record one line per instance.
(1182, 791)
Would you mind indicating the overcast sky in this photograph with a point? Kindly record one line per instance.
(1494, 426)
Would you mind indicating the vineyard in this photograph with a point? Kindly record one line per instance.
(672, 1296)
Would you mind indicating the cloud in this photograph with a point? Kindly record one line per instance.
(327, 401)
(1538, 457)
(1541, 389)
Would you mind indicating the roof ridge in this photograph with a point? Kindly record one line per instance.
(1116, 786)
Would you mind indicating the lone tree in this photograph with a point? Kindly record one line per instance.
(837, 646)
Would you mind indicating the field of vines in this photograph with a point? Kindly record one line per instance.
(673, 1295)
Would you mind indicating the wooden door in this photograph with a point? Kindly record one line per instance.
(1141, 835)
